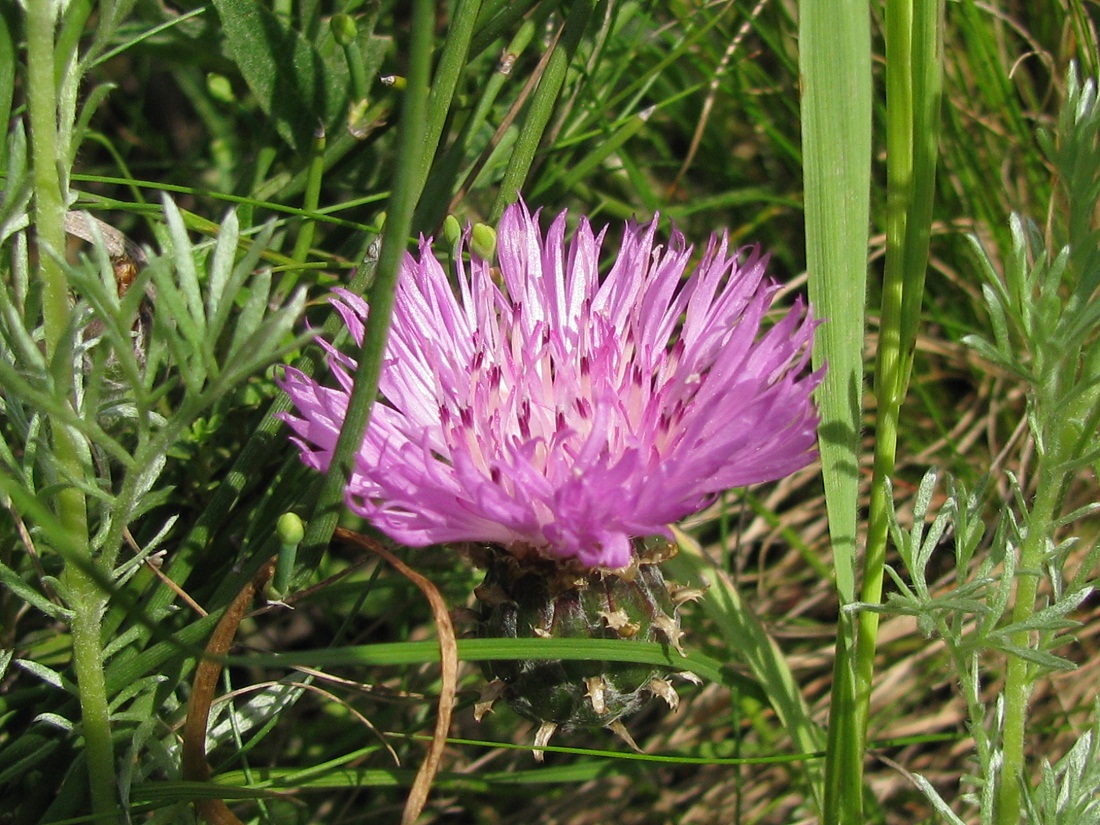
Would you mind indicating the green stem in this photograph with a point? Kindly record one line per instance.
(913, 54)
(1018, 679)
(890, 356)
(406, 191)
(443, 191)
(308, 229)
(456, 47)
(49, 200)
(86, 599)
(541, 108)
(89, 602)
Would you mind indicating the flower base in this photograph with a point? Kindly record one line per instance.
(535, 598)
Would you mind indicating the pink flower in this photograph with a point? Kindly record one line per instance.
(565, 412)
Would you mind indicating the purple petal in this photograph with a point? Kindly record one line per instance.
(567, 412)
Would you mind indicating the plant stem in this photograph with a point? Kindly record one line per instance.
(456, 47)
(891, 355)
(541, 107)
(1018, 679)
(88, 603)
(49, 200)
(406, 190)
(913, 38)
(86, 599)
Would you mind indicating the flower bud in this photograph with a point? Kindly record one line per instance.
(344, 29)
(452, 230)
(483, 241)
(290, 529)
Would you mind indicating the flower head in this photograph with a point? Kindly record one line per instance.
(564, 412)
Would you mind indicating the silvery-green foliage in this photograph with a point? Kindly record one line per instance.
(266, 702)
(1044, 319)
(140, 367)
(1044, 313)
(145, 365)
(1074, 150)
(972, 617)
(15, 197)
(1068, 792)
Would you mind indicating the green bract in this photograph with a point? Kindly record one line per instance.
(529, 597)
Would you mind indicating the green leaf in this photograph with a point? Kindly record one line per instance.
(269, 342)
(47, 675)
(252, 314)
(9, 51)
(231, 280)
(476, 650)
(835, 61)
(221, 267)
(26, 753)
(283, 70)
(20, 588)
(56, 721)
(92, 101)
(742, 631)
(16, 196)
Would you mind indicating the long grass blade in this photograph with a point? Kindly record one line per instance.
(835, 63)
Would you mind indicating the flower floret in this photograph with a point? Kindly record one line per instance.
(562, 411)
